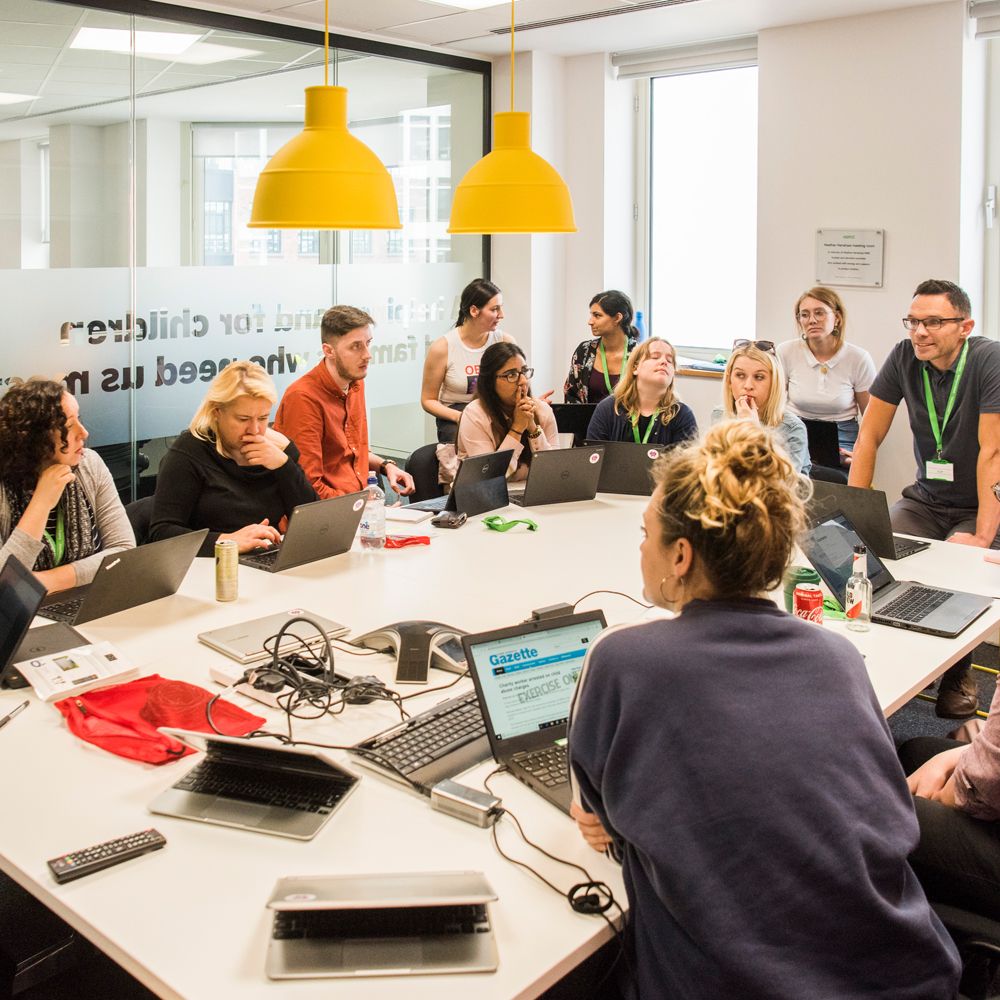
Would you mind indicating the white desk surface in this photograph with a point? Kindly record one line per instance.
(189, 921)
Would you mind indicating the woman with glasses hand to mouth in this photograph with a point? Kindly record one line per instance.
(60, 513)
(643, 407)
(753, 388)
(826, 377)
(504, 414)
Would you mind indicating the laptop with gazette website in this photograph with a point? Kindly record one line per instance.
(315, 531)
(560, 476)
(829, 546)
(627, 467)
(480, 486)
(869, 512)
(525, 677)
(127, 579)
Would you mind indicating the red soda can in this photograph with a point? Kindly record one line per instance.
(807, 602)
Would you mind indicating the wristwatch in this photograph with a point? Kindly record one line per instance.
(538, 433)
(383, 468)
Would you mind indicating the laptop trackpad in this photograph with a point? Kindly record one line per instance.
(382, 954)
(229, 811)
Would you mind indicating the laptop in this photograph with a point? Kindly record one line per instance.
(127, 579)
(244, 641)
(255, 785)
(824, 442)
(560, 476)
(573, 418)
(524, 678)
(480, 486)
(315, 531)
(869, 512)
(829, 546)
(627, 467)
(419, 923)
(21, 595)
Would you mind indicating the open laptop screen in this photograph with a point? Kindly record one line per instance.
(829, 544)
(527, 674)
(20, 596)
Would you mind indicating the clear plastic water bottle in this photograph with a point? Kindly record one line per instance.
(373, 519)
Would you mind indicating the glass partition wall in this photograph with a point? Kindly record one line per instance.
(129, 152)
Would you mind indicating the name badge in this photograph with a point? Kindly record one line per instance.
(942, 471)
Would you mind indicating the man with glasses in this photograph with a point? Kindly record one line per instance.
(951, 385)
(324, 411)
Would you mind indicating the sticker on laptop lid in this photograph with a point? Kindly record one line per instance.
(359, 503)
(653, 454)
(300, 897)
(595, 457)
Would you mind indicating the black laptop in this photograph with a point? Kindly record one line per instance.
(627, 467)
(869, 512)
(824, 442)
(560, 476)
(315, 531)
(127, 579)
(480, 486)
(829, 545)
(525, 677)
(21, 595)
(573, 418)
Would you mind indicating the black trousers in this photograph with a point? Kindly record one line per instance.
(958, 857)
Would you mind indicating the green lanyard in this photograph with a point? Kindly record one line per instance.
(604, 364)
(57, 544)
(649, 427)
(938, 431)
(498, 523)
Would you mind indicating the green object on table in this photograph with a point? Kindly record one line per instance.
(831, 609)
(719, 359)
(498, 523)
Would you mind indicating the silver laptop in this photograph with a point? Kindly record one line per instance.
(524, 678)
(418, 923)
(829, 545)
(869, 512)
(244, 642)
(560, 476)
(127, 579)
(256, 785)
(315, 531)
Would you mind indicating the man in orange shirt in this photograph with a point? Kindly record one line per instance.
(324, 411)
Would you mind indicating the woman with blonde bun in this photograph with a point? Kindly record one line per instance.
(737, 761)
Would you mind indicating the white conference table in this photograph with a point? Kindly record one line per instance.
(189, 921)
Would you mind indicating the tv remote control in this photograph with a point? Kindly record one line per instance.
(101, 856)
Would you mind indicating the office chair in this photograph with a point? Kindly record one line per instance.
(978, 941)
(118, 459)
(140, 516)
(423, 466)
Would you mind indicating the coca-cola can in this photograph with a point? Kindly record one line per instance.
(807, 602)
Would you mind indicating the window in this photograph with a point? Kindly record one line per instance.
(443, 199)
(418, 195)
(444, 137)
(274, 242)
(703, 207)
(308, 242)
(420, 137)
(218, 228)
(361, 243)
(394, 244)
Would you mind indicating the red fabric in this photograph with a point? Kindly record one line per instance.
(123, 719)
(402, 541)
(330, 429)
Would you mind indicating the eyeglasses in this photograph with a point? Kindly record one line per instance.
(932, 323)
(515, 373)
(804, 317)
(767, 346)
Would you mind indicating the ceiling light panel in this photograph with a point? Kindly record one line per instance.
(147, 43)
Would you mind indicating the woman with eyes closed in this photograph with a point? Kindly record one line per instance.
(597, 364)
(753, 388)
(643, 407)
(504, 414)
(60, 513)
(230, 472)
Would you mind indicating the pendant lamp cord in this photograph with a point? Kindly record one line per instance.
(511, 54)
(326, 43)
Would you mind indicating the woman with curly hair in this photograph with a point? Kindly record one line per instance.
(60, 513)
(737, 759)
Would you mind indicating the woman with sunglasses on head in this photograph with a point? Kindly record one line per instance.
(451, 367)
(504, 414)
(753, 388)
(762, 860)
(643, 407)
(598, 363)
(60, 513)
(827, 378)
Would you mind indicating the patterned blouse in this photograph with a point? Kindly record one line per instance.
(576, 389)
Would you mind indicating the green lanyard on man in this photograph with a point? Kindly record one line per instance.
(937, 468)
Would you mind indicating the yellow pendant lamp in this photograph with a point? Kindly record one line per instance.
(325, 178)
(512, 189)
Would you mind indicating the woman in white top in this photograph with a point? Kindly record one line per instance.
(827, 378)
(451, 367)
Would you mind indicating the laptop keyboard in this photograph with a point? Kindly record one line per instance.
(435, 503)
(262, 559)
(64, 611)
(549, 765)
(285, 789)
(915, 605)
(431, 735)
(393, 922)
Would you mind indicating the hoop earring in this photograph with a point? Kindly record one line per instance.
(672, 602)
